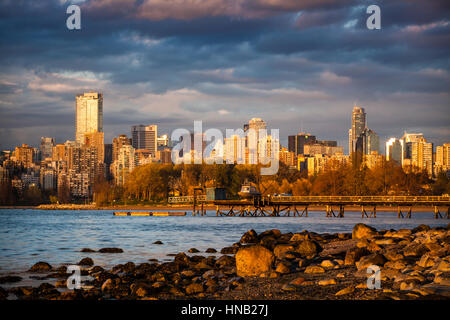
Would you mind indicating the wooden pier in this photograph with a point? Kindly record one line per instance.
(298, 206)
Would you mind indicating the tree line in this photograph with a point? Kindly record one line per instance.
(155, 182)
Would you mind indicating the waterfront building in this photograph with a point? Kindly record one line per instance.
(88, 114)
(163, 141)
(145, 137)
(442, 162)
(395, 150)
(359, 123)
(287, 157)
(319, 148)
(25, 155)
(297, 143)
(422, 155)
(125, 163)
(46, 147)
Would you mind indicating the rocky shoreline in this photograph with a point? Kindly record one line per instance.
(414, 264)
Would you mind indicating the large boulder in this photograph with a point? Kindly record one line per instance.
(41, 266)
(308, 248)
(354, 255)
(253, 260)
(361, 231)
(249, 237)
(281, 250)
(110, 250)
(372, 259)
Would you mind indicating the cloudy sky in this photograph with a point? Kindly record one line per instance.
(298, 64)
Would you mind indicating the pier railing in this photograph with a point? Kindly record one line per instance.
(417, 200)
(362, 199)
(186, 199)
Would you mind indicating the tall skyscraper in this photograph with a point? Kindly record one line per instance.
(145, 137)
(408, 140)
(359, 124)
(395, 150)
(88, 114)
(235, 149)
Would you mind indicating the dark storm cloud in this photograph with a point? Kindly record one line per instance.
(286, 61)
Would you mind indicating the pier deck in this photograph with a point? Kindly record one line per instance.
(335, 205)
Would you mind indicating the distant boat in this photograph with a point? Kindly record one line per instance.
(248, 191)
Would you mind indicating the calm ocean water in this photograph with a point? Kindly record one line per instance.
(29, 236)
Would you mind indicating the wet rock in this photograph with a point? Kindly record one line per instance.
(408, 285)
(193, 250)
(61, 284)
(182, 258)
(397, 264)
(10, 279)
(194, 288)
(297, 281)
(229, 250)
(314, 269)
(327, 282)
(249, 237)
(420, 228)
(308, 248)
(425, 261)
(282, 268)
(361, 231)
(211, 250)
(158, 242)
(372, 259)
(393, 255)
(41, 266)
(288, 287)
(253, 260)
(281, 250)
(327, 264)
(110, 250)
(86, 262)
(297, 237)
(107, 285)
(354, 255)
(225, 261)
(443, 266)
(96, 269)
(415, 250)
(345, 291)
(87, 250)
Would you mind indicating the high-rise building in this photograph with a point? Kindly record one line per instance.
(88, 114)
(145, 137)
(395, 150)
(297, 143)
(125, 163)
(442, 162)
(163, 141)
(46, 147)
(408, 140)
(25, 155)
(359, 124)
(118, 142)
(96, 140)
(422, 155)
(235, 149)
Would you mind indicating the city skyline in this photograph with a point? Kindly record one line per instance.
(300, 67)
